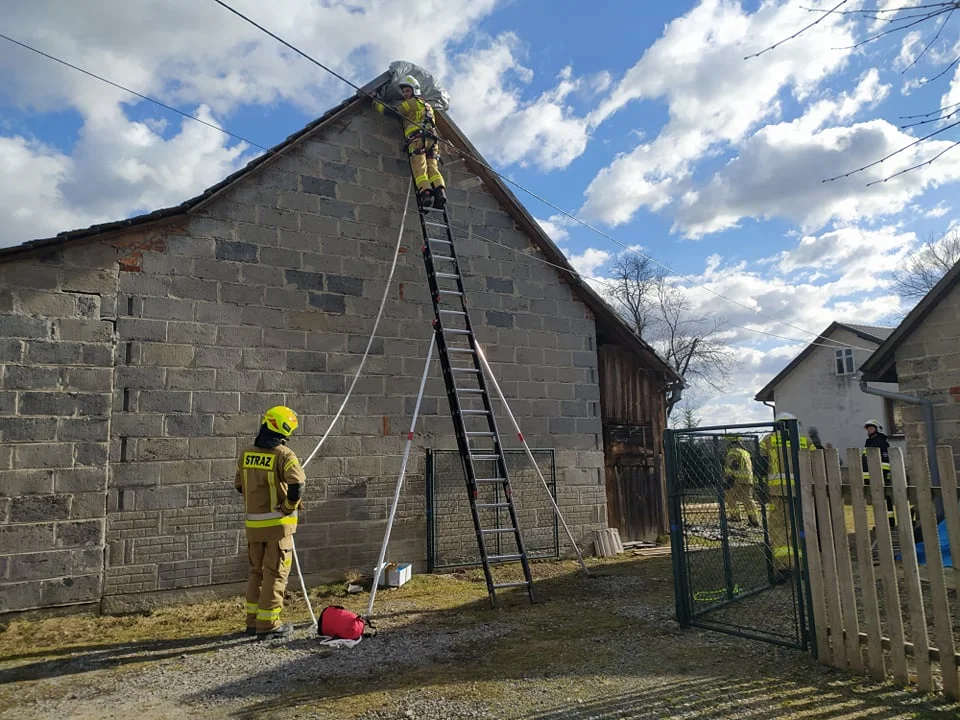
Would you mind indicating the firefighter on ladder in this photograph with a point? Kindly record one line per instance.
(738, 484)
(423, 143)
(271, 480)
(777, 452)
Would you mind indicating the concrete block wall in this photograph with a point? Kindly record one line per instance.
(928, 365)
(267, 296)
(57, 313)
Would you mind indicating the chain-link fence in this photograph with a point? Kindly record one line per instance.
(451, 537)
(733, 505)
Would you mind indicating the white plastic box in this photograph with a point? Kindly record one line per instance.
(396, 574)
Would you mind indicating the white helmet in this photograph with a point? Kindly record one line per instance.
(875, 423)
(785, 416)
(411, 82)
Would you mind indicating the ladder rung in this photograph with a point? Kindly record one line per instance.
(489, 480)
(493, 531)
(432, 209)
(460, 350)
(460, 369)
(504, 586)
(447, 276)
(491, 505)
(485, 433)
(439, 241)
(504, 558)
(456, 331)
(434, 224)
(444, 257)
(470, 390)
(474, 412)
(451, 312)
(485, 457)
(450, 292)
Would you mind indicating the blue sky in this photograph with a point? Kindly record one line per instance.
(641, 117)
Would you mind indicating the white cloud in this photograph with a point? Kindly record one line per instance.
(196, 56)
(714, 96)
(780, 172)
(937, 211)
(910, 47)
(31, 203)
(589, 261)
(117, 167)
(545, 132)
(555, 227)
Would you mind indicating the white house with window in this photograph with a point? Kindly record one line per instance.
(821, 387)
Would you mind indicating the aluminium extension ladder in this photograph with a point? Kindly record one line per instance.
(481, 452)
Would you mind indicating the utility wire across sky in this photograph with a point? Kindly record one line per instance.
(827, 342)
(518, 185)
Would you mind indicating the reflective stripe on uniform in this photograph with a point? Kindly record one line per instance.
(270, 519)
(290, 463)
(252, 608)
(269, 614)
(288, 561)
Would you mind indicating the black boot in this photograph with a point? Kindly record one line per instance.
(278, 633)
(440, 197)
(426, 198)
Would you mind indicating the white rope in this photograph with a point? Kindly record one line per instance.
(556, 508)
(353, 383)
(403, 471)
(373, 334)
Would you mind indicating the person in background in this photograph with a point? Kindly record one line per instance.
(815, 438)
(775, 450)
(738, 481)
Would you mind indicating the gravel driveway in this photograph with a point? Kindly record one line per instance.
(599, 647)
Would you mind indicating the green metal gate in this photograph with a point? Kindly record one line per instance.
(732, 574)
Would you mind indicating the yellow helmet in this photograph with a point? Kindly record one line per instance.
(281, 420)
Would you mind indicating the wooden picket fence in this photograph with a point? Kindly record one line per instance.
(851, 618)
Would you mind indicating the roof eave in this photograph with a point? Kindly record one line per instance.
(197, 203)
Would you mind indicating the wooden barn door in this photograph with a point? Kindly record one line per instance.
(635, 501)
(632, 408)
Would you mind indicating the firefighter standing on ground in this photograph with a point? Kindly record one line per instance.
(738, 476)
(420, 133)
(777, 452)
(876, 438)
(271, 480)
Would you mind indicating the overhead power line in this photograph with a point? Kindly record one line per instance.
(468, 155)
(132, 92)
(533, 194)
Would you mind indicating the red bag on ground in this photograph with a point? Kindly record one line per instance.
(338, 622)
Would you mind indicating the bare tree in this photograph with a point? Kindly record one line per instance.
(688, 342)
(927, 17)
(660, 314)
(633, 287)
(924, 268)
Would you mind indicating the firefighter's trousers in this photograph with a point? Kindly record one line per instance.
(741, 493)
(270, 563)
(780, 532)
(426, 173)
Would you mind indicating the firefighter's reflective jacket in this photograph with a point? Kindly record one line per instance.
(265, 476)
(777, 453)
(416, 114)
